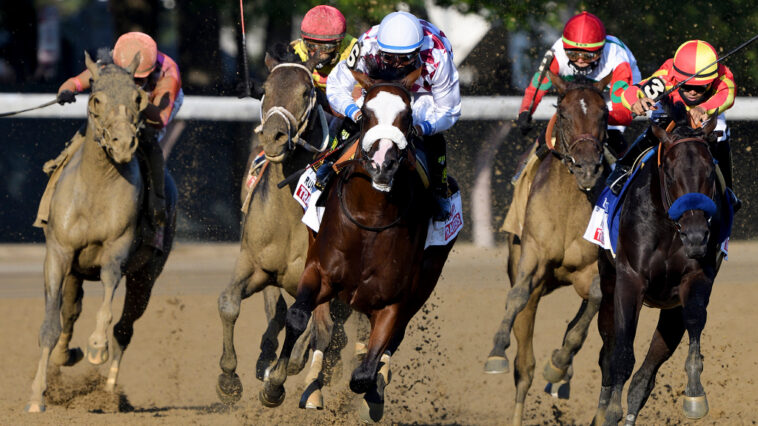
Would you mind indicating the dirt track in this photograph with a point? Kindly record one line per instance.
(169, 371)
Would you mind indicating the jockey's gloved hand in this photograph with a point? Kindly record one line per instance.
(524, 122)
(66, 97)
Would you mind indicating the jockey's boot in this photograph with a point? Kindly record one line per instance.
(723, 156)
(436, 158)
(156, 192)
(323, 174)
(616, 143)
(623, 165)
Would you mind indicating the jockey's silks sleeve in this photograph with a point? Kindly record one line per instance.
(78, 83)
(721, 95)
(168, 85)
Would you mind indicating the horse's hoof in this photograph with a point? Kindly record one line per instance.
(97, 355)
(496, 365)
(695, 407)
(560, 390)
(371, 412)
(553, 374)
(271, 401)
(35, 407)
(229, 388)
(314, 401)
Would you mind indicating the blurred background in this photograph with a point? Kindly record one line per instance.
(497, 46)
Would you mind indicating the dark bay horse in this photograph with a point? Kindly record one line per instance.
(274, 240)
(550, 251)
(671, 224)
(370, 247)
(96, 228)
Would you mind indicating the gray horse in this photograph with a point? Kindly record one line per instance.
(274, 240)
(96, 229)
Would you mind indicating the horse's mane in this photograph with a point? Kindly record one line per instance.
(677, 112)
(582, 82)
(283, 52)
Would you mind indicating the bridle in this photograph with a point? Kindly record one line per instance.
(102, 133)
(697, 200)
(385, 131)
(298, 124)
(568, 147)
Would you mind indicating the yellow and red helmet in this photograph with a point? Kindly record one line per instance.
(691, 58)
(584, 31)
(323, 23)
(128, 45)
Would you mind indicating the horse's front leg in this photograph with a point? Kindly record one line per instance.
(322, 325)
(606, 328)
(57, 266)
(557, 366)
(626, 305)
(373, 374)
(695, 293)
(97, 345)
(530, 275)
(310, 292)
(668, 334)
(70, 310)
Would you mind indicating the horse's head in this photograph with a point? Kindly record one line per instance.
(581, 128)
(687, 175)
(114, 108)
(387, 124)
(289, 98)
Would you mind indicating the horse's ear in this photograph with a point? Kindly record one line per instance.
(134, 64)
(602, 84)
(411, 78)
(311, 62)
(710, 123)
(142, 99)
(660, 133)
(270, 62)
(91, 66)
(363, 79)
(557, 81)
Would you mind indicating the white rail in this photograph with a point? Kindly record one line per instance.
(232, 109)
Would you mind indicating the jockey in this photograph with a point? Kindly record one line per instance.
(586, 50)
(404, 43)
(712, 90)
(323, 33)
(158, 75)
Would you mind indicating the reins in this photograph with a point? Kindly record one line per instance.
(340, 194)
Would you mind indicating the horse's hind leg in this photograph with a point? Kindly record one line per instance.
(557, 367)
(57, 265)
(530, 274)
(666, 338)
(523, 373)
(247, 280)
(70, 310)
(139, 285)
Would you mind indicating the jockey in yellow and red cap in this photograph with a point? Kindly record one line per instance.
(711, 90)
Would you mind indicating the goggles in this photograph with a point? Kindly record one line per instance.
(398, 59)
(587, 56)
(321, 48)
(695, 88)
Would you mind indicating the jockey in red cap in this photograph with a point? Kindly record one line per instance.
(159, 75)
(323, 33)
(586, 50)
(710, 91)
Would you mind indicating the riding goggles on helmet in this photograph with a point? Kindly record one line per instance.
(587, 56)
(398, 59)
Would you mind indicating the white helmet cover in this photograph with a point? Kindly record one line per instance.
(400, 32)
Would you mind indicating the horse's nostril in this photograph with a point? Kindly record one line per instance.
(133, 143)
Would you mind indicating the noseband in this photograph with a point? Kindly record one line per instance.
(689, 201)
(102, 132)
(301, 123)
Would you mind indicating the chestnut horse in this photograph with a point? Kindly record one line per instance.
(552, 252)
(671, 225)
(369, 250)
(96, 230)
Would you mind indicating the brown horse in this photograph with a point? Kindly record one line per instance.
(671, 225)
(550, 251)
(370, 247)
(96, 229)
(274, 240)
